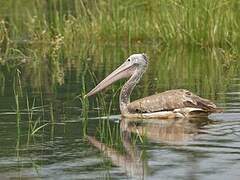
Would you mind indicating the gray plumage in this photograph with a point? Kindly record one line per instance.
(170, 100)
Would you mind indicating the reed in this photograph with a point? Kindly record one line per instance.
(202, 23)
(84, 102)
(17, 90)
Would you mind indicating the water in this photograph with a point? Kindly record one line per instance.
(45, 139)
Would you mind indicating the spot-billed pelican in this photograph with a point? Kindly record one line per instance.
(168, 104)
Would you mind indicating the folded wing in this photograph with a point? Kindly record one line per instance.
(171, 100)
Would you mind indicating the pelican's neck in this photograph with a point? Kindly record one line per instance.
(127, 89)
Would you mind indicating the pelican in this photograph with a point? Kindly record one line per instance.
(177, 103)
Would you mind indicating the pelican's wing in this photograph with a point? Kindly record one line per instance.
(170, 100)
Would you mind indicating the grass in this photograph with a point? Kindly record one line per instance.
(65, 26)
(26, 110)
(84, 102)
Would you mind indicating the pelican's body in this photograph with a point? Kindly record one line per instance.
(168, 104)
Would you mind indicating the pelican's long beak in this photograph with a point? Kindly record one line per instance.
(123, 71)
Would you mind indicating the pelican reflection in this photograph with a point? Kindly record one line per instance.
(131, 159)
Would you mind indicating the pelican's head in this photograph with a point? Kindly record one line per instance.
(135, 64)
(138, 59)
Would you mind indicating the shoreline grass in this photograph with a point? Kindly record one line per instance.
(196, 23)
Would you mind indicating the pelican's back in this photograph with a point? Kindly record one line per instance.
(170, 100)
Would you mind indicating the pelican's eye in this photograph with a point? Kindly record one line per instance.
(129, 60)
